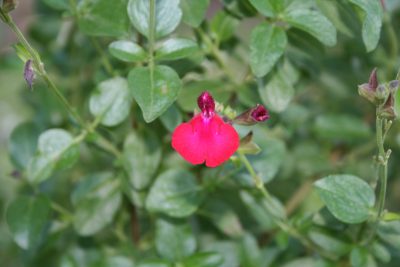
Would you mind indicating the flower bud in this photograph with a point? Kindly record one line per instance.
(8, 5)
(29, 73)
(252, 116)
(206, 104)
(387, 110)
(369, 90)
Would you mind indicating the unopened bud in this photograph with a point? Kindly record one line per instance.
(206, 104)
(373, 80)
(387, 110)
(29, 73)
(252, 116)
(8, 5)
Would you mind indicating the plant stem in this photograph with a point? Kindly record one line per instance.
(280, 222)
(152, 29)
(382, 172)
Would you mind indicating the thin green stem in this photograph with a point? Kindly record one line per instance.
(152, 29)
(382, 159)
(63, 211)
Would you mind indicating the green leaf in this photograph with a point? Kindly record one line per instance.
(118, 261)
(176, 48)
(96, 200)
(168, 15)
(204, 259)
(222, 26)
(127, 51)
(156, 95)
(372, 22)
(264, 7)
(194, 11)
(267, 44)
(250, 252)
(277, 93)
(174, 239)
(27, 218)
(111, 101)
(389, 233)
(142, 155)
(329, 242)
(154, 263)
(57, 4)
(22, 144)
(359, 257)
(314, 23)
(380, 252)
(349, 198)
(341, 128)
(223, 216)
(175, 193)
(57, 149)
(228, 250)
(260, 210)
(391, 216)
(330, 9)
(171, 118)
(98, 18)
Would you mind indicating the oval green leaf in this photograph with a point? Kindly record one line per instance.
(267, 44)
(111, 101)
(96, 200)
(176, 48)
(22, 144)
(57, 149)
(98, 18)
(175, 193)
(194, 11)
(27, 218)
(314, 23)
(127, 51)
(142, 155)
(349, 198)
(154, 93)
(174, 239)
(168, 15)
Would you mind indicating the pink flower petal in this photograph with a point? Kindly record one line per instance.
(208, 140)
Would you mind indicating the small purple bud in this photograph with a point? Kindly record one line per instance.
(206, 104)
(252, 116)
(29, 73)
(373, 80)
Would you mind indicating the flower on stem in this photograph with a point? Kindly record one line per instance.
(252, 116)
(206, 137)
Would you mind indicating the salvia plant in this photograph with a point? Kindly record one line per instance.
(202, 133)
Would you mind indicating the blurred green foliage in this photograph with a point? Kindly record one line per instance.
(116, 194)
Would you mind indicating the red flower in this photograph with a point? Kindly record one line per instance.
(206, 137)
